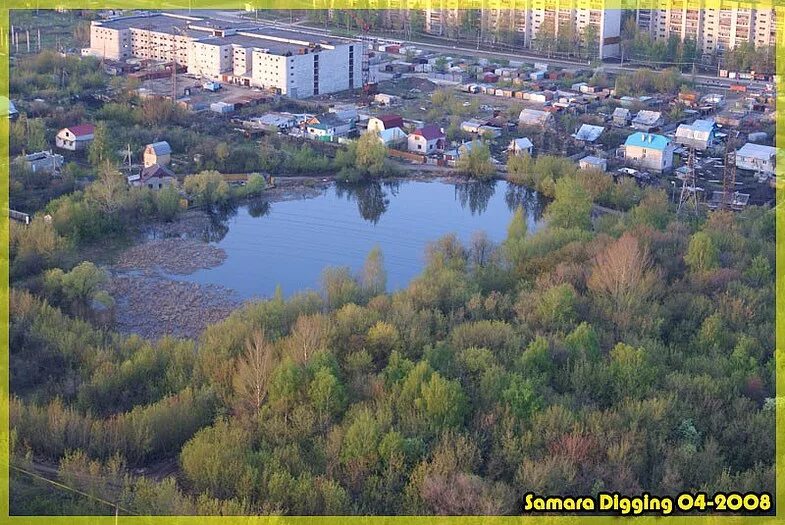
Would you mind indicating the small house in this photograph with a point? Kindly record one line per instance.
(647, 120)
(223, 108)
(157, 153)
(327, 127)
(44, 162)
(392, 136)
(649, 151)
(590, 162)
(472, 125)
(520, 146)
(621, 117)
(426, 140)
(156, 177)
(75, 138)
(588, 133)
(272, 122)
(699, 134)
(534, 117)
(383, 122)
(384, 99)
(489, 131)
(757, 158)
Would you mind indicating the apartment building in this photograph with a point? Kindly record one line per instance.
(525, 18)
(714, 29)
(292, 63)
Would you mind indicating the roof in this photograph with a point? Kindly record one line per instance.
(82, 130)
(276, 119)
(160, 148)
(468, 146)
(700, 129)
(533, 116)
(11, 107)
(648, 141)
(645, 116)
(429, 132)
(473, 123)
(522, 143)
(391, 121)
(758, 151)
(591, 159)
(328, 120)
(704, 125)
(389, 134)
(155, 170)
(621, 112)
(41, 155)
(589, 133)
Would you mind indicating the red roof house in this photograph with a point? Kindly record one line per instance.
(427, 139)
(75, 138)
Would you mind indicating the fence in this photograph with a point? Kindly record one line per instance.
(406, 155)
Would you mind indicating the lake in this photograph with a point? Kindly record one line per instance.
(289, 243)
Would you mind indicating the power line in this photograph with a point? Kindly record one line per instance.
(63, 486)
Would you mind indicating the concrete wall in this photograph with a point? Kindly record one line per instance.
(653, 159)
(209, 59)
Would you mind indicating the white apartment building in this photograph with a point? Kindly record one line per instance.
(713, 29)
(292, 63)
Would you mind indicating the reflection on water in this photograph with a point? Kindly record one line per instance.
(289, 243)
(371, 197)
(475, 195)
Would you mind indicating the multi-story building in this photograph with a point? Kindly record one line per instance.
(520, 21)
(292, 63)
(713, 29)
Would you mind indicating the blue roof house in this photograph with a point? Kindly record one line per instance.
(649, 151)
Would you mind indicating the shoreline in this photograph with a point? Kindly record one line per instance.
(150, 298)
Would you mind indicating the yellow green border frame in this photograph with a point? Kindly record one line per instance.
(7, 5)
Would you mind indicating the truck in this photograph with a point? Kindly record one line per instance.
(211, 86)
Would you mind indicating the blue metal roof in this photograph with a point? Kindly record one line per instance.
(648, 140)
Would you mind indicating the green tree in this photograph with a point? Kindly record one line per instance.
(571, 208)
(36, 135)
(477, 162)
(442, 404)
(371, 154)
(100, 150)
(222, 152)
(702, 254)
(167, 203)
(80, 286)
(374, 276)
(215, 460)
(207, 188)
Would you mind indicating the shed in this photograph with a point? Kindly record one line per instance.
(588, 133)
(592, 162)
(534, 117)
(520, 146)
(157, 153)
(647, 120)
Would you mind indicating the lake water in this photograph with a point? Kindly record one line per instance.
(289, 243)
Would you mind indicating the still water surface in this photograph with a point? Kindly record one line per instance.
(289, 243)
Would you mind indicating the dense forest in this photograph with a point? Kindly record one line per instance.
(629, 352)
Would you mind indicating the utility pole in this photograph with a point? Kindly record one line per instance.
(27, 39)
(729, 175)
(39, 39)
(689, 193)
